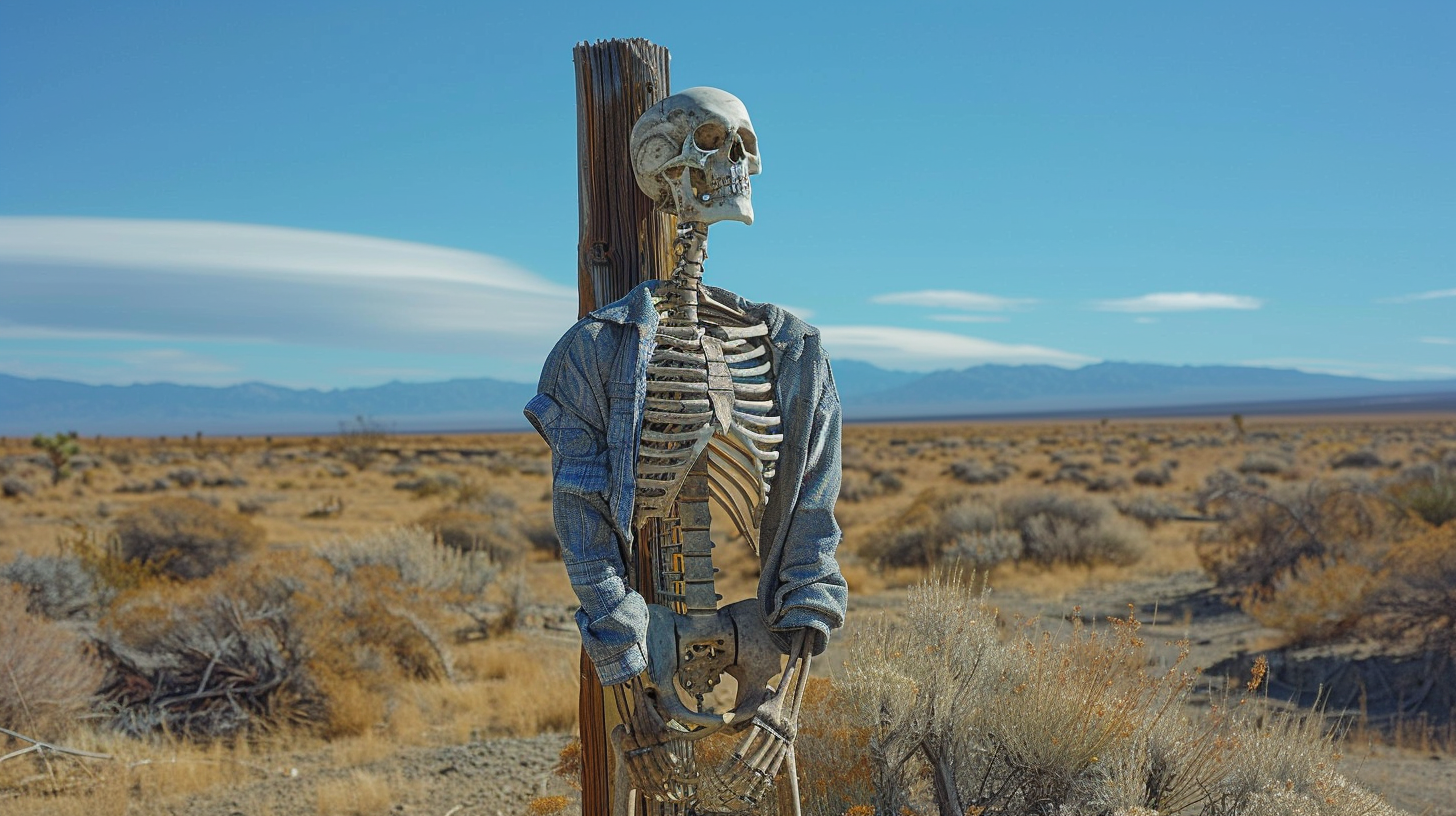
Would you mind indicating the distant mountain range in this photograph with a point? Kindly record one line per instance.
(29, 406)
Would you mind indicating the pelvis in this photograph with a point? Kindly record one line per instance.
(693, 652)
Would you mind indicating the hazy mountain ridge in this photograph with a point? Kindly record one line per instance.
(868, 392)
(1035, 388)
(27, 405)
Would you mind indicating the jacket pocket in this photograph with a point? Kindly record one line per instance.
(621, 424)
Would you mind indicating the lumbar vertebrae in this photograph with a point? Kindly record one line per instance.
(710, 432)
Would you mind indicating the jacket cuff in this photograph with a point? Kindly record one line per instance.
(817, 622)
(621, 667)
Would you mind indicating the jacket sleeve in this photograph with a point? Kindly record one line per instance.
(571, 413)
(811, 591)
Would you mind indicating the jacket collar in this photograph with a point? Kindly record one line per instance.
(785, 329)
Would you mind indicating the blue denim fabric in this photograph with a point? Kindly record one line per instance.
(589, 410)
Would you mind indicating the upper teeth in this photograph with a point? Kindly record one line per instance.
(728, 186)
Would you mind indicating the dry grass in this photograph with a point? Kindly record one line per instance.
(376, 611)
(46, 675)
(940, 713)
(358, 794)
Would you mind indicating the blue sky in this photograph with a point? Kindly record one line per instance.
(332, 194)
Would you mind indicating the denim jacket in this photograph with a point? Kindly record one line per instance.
(589, 410)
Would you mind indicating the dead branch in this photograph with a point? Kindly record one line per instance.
(41, 746)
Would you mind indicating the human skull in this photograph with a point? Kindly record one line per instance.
(693, 153)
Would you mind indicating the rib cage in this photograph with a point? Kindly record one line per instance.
(709, 389)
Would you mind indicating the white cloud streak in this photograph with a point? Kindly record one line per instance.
(91, 278)
(921, 350)
(1439, 341)
(122, 366)
(1433, 295)
(967, 318)
(952, 299)
(1354, 368)
(1437, 370)
(1178, 302)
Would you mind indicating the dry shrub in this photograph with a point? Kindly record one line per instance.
(417, 560)
(1247, 757)
(1042, 528)
(321, 641)
(862, 484)
(1149, 509)
(99, 554)
(1057, 529)
(921, 535)
(1270, 536)
(59, 587)
(1364, 459)
(1264, 463)
(1431, 496)
(1321, 603)
(471, 532)
(1362, 575)
(432, 484)
(976, 472)
(1416, 596)
(47, 677)
(212, 660)
(184, 537)
(1152, 478)
(939, 713)
(914, 685)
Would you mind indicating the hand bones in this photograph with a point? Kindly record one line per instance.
(654, 741)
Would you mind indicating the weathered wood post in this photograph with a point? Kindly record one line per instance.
(624, 241)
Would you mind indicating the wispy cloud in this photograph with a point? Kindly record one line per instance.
(798, 311)
(1354, 368)
(1433, 295)
(1439, 341)
(1179, 302)
(921, 350)
(952, 299)
(85, 278)
(122, 366)
(1437, 370)
(967, 318)
(400, 373)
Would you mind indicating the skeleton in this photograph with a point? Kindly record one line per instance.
(710, 431)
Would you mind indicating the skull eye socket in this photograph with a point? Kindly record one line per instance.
(710, 136)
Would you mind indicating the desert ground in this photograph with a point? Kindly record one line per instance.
(371, 622)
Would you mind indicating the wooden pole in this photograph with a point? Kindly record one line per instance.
(624, 241)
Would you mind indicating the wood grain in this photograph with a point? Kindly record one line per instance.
(624, 240)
